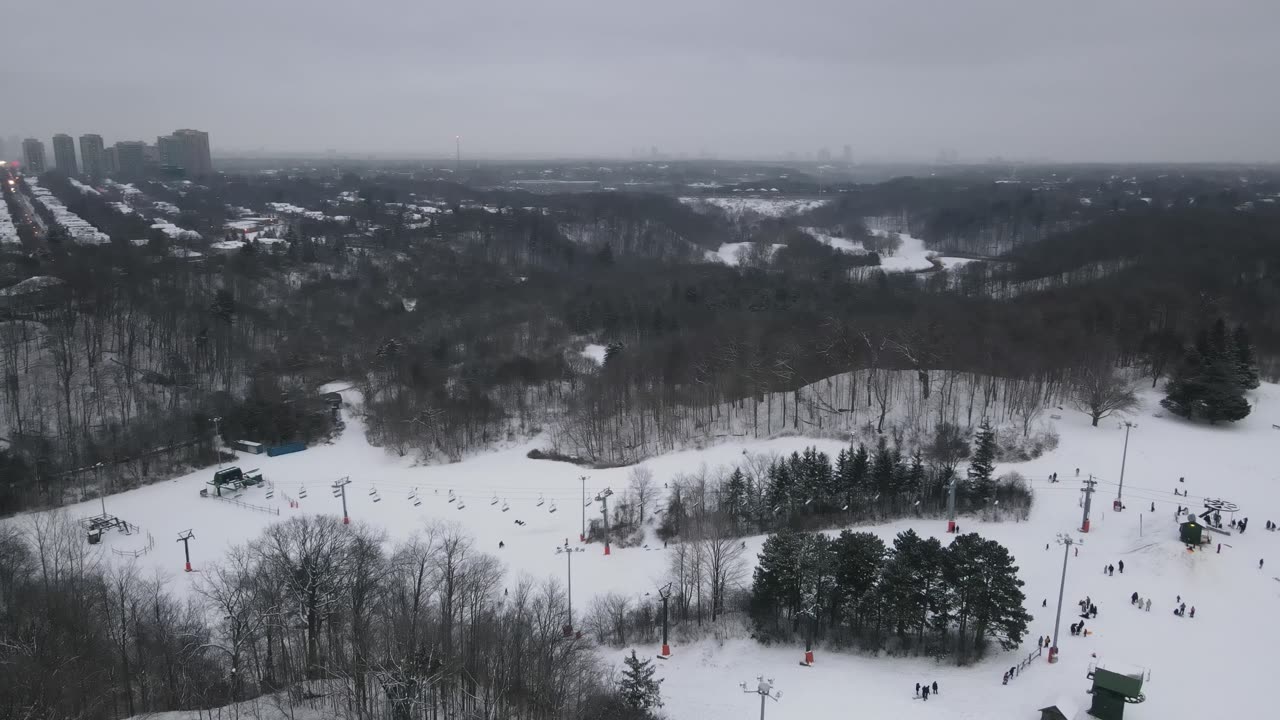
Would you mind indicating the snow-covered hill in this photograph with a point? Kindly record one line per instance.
(1214, 665)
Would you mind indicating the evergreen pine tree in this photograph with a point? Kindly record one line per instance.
(1246, 364)
(640, 691)
(982, 466)
(882, 469)
(858, 472)
(736, 495)
(1208, 384)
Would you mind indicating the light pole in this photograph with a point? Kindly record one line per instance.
(1117, 505)
(102, 493)
(568, 559)
(1066, 541)
(763, 688)
(217, 438)
(340, 490)
(583, 536)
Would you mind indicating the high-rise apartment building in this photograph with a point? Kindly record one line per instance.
(64, 154)
(110, 161)
(170, 149)
(91, 155)
(33, 162)
(193, 152)
(131, 157)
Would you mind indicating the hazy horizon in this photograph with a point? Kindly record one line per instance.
(1139, 81)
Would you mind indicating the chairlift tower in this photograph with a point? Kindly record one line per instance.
(568, 552)
(664, 592)
(603, 499)
(340, 490)
(1118, 505)
(185, 537)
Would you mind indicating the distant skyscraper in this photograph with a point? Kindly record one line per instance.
(824, 155)
(64, 154)
(33, 156)
(110, 161)
(131, 157)
(193, 151)
(91, 155)
(170, 149)
(848, 154)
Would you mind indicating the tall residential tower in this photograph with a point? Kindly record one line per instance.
(33, 157)
(91, 155)
(64, 154)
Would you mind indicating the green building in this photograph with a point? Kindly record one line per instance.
(1191, 532)
(1113, 688)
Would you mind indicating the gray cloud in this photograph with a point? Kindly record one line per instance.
(1085, 80)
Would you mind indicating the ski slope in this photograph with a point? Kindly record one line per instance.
(1214, 665)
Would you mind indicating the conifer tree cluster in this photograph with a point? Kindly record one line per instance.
(916, 595)
(809, 490)
(1210, 382)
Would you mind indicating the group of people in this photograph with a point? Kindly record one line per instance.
(1181, 610)
(1044, 641)
(1240, 525)
(1271, 525)
(1111, 569)
(1136, 600)
(1012, 673)
(923, 690)
(1078, 629)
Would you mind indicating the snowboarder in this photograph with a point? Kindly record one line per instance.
(1121, 566)
(1148, 604)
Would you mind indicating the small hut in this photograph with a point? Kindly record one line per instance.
(1114, 686)
(1064, 709)
(1191, 532)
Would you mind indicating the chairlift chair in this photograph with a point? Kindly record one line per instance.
(302, 491)
(494, 501)
(541, 500)
(505, 506)
(373, 491)
(461, 504)
(553, 506)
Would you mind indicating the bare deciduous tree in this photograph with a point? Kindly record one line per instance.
(1100, 391)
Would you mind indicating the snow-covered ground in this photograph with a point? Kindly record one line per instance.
(594, 353)
(78, 228)
(1214, 665)
(767, 207)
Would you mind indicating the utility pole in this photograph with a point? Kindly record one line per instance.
(583, 537)
(603, 499)
(568, 557)
(951, 504)
(1118, 505)
(1088, 502)
(185, 537)
(1066, 541)
(664, 592)
(340, 490)
(763, 688)
(217, 438)
(457, 163)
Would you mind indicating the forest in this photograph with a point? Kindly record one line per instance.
(464, 329)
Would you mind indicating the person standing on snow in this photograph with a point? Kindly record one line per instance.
(935, 687)
(1148, 604)
(917, 689)
(1193, 611)
(1121, 566)
(1133, 599)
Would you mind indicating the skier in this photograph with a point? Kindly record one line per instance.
(1121, 566)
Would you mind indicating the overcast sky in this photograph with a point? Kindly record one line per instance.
(1076, 80)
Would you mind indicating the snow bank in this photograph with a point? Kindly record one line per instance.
(8, 231)
(595, 353)
(80, 230)
(731, 253)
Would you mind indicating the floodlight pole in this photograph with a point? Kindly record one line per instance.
(1066, 541)
(764, 688)
(951, 504)
(568, 558)
(102, 493)
(217, 438)
(1123, 458)
(664, 592)
(1088, 502)
(583, 536)
(603, 498)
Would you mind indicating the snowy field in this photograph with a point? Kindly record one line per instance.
(731, 253)
(913, 256)
(1214, 665)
